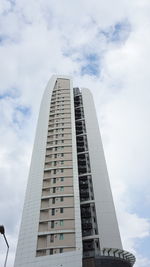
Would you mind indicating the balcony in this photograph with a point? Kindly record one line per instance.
(86, 226)
(84, 194)
(107, 257)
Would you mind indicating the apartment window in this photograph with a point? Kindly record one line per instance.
(55, 155)
(54, 189)
(62, 162)
(61, 210)
(55, 148)
(61, 188)
(61, 222)
(53, 200)
(61, 250)
(52, 224)
(62, 154)
(61, 237)
(53, 211)
(62, 170)
(54, 180)
(62, 179)
(54, 171)
(62, 141)
(51, 238)
(62, 199)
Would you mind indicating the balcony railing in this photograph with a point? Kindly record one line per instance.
(111, 253)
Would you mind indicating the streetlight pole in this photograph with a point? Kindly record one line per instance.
(2, 231)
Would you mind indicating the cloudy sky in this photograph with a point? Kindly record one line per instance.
(104, 45)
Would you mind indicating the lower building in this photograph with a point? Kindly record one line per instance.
(69, 217)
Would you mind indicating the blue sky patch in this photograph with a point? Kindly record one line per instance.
(21, 113)
(10, 93)
(26, 111)
(118, 32)
(91, 66)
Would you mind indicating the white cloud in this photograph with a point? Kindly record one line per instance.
(35, 37)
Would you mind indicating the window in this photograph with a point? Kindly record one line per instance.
(54, 189)
(51, 238)
(61, 222)
(62, 188)
(61, 199)
(54, 171)
(51, 251)
(61, 250)
(52, 224)
(62, 162)
(62, 170)
(54, 180)
(53, 211)
(53, 200)
(55, 148)
(61, 210)
(62, 179)
(62, 154)
(55, 155)
(61, 237)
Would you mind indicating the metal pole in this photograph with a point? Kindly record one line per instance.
(7, 250)
(2, 231)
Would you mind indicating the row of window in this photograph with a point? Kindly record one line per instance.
(67, 115)
(55, 142)
(52, 237)
(56, 124)
(60, 106)
(58, 120)
(53, 223)
(59, 102)
(53, 211)
(54, 110)
(54, 199)
(54, 179)
(61, 155)
(56, 130)
(60, 97)
(56, 171)
(52, 251)
(55, 163)
(54, 189)
(55, 148)
(57, 135)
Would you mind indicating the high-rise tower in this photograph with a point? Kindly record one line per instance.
(69, 217)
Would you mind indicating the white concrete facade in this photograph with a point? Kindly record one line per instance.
(108, 231)
(27, 242)
(109, 235)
